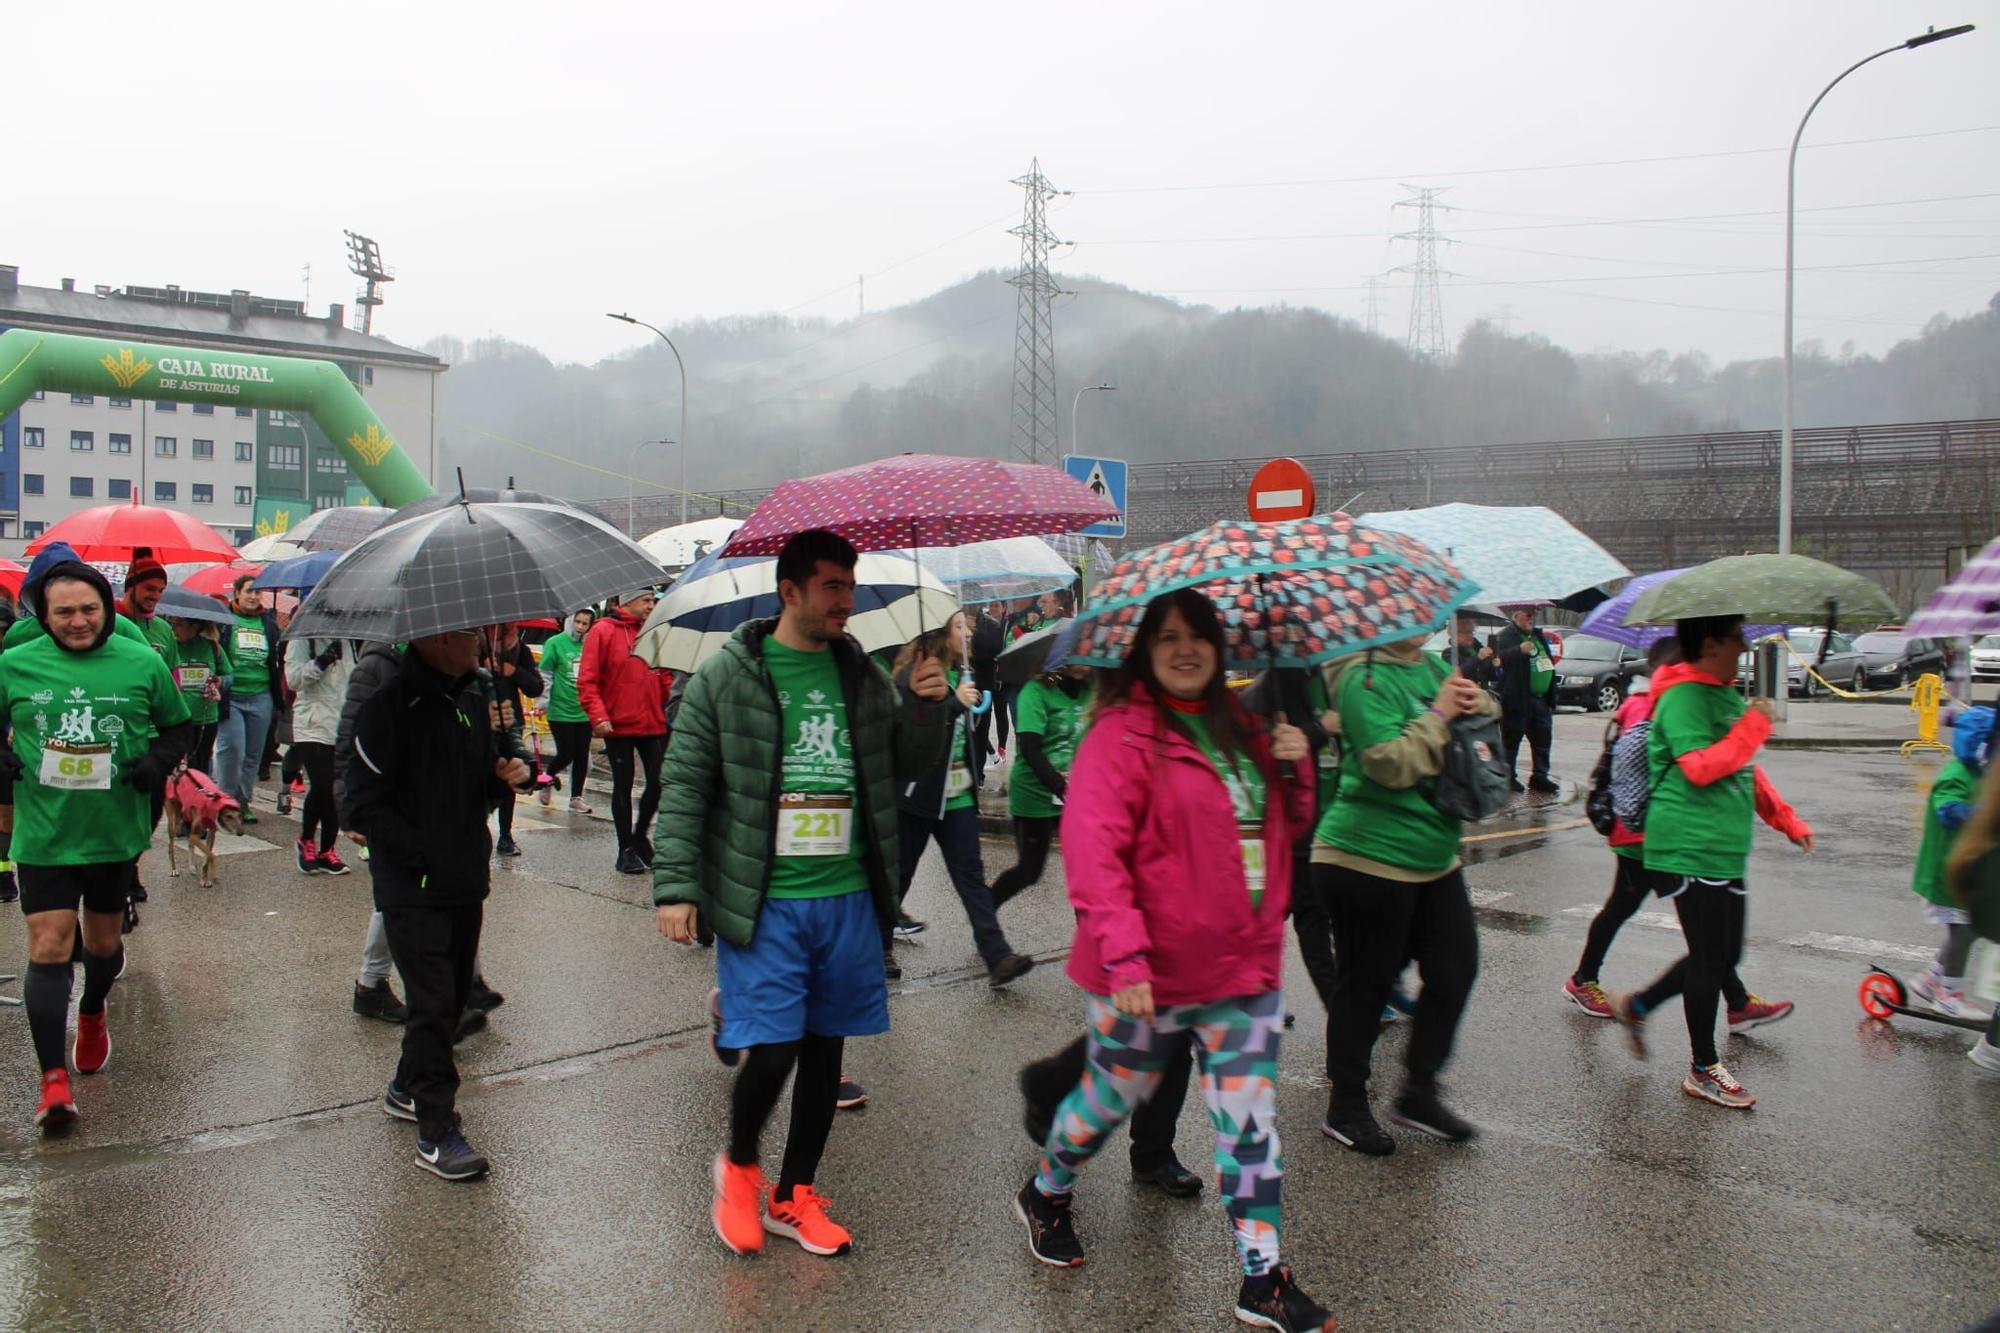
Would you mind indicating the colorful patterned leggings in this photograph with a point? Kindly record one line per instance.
(1236, 1041)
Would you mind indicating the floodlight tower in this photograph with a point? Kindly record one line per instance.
(364, 260)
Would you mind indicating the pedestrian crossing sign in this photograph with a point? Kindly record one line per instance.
(1106, 476)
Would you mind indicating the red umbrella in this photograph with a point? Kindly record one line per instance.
(11, 575)
(114, 532)
(215, 580)
(923, 500)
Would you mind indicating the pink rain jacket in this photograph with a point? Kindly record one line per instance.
(1155, 870)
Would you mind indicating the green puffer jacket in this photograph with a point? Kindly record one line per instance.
(716, 834)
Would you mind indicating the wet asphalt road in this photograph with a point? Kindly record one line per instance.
(233, 1169)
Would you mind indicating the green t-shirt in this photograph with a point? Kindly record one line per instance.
(194, 664)
(79, 719)
(1396, 826)
(1051, 712)
(161, 635)
(250, 651)
(1326, 782)
(958, 793)
(562, 656)
(1245, 784)
(27, 629)
(816, 809)
(1955, 783)
(1690, 830)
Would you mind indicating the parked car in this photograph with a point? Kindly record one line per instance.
(1986, 657)
(1842, 667)
(1597, 673)
(1888, 659)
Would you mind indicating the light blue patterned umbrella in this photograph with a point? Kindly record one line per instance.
(1515, 553)
(996, 571)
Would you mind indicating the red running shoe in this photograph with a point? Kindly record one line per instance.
(804, 1219)
(1589, 997)
(93, 1043)
(1759, 1012)
(329, 863)
(58, 1109)
(739, 1205)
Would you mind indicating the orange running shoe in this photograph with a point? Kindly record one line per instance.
(739, 1205)
(58, 1107)
(804, 1219)
(93, 1043)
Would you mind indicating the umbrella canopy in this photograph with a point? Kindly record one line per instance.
(11, 574)
(272, 546)
(1967, 606)
(1608, 620)
(339, 528)
(114, 532)
(1291, 594)
(1041, 651)
(894, 602)
(180, 602)
(471, 565)
(1515, 553)
(922, 500)
(684, 543)
(302, 572)
(997, 571)
(1779, 589)
(480, 495)
(215, 580)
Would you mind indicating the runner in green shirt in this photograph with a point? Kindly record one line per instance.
(816, 779)
(569, 724)
(199, 667)
(1049, 717)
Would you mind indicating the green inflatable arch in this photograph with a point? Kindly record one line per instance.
(63, 363)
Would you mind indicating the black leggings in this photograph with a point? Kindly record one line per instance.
(1629, 889)
(624, 752)
(814, 1092)
(572, 753)
(1031, 847)
(1312, 924)
(316, 758)
(1712, 915)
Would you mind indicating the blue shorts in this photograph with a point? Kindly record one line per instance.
(814, 965)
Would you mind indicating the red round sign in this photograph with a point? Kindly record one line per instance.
(1282, 489)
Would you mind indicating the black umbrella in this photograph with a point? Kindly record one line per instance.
(340, 528)
(431, 504)
(178, 603)
(1030, 655)
(470, 565)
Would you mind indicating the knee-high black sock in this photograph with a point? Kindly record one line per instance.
(813, 1095)
(755, 1095)
(6, 845)
(45, 995)
(98, 974)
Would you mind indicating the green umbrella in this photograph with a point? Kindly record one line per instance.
(1776, 589)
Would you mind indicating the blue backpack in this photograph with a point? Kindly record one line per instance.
(1632, 776)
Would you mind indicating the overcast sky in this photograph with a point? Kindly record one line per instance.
(528, 167)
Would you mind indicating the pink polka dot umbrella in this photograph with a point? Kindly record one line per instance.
(922, 500)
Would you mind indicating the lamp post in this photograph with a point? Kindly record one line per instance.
(684, 399)
(631, 466)
(1791, 209)
(1077, 402)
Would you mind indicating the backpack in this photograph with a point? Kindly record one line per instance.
(1597, 805)
(1631, 776)
(1473, 783)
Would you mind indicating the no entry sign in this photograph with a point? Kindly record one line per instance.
(1282, 489)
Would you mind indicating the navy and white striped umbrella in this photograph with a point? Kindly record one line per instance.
(893, 603)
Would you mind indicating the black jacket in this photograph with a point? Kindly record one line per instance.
(989, 636)
(420, 785)
(374, 666)
(1515, 694)
(924, 795)
(1477, 669)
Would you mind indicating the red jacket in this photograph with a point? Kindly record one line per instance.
(614, 686)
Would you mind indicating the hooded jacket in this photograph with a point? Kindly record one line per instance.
(374, 667)
(28, 625)
(1953, 795)
(614, 686)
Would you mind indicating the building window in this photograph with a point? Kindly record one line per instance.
(368, 375)
(166, 407)
(82, 441)
(31, 437)
(31, 483)
(82, 488)
(243, 495)
(329, 463)
(118, 488)
(204, 494)
(119, 402)
(165, 446)
(165, 491)
(204, 409)
(204, 448)
(35, 397)
(120, 444)
(246, 411)
(289, 457)
(30, 531)
(86, 399)
(246, 452)
(6, 527)
(327, 501)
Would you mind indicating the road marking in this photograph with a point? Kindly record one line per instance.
(1526, 832)
(1657, 920)
(1486, 897)
(1855, 944)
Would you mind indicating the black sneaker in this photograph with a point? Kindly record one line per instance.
(139, 894)
(10, 888)
(645, 851)
(1420, 1109)
(1354, 1125)
(890, 967)
(907, 925)
(131, 918)
(729, 1055)
(851, 1096)
(1275, 1301)
(1545, 786)
(483, 997)
(379, 1001)
(398, 1104)
(451, 1158)
(506, 846)
(1170, 1178)
(1007, 968)
(284, 800)
(1514, 784)
(307, 857)
(469, 1022)
(1050, 1236)
(630, 864)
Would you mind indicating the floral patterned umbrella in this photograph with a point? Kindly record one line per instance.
(1290, 594)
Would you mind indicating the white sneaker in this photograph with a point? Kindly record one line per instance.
(1947, 999)
(547, 796)
(1986, 1055)
(577, 807)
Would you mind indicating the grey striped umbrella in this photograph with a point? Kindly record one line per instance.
(338, 529)
(430, 504)
(470, 565)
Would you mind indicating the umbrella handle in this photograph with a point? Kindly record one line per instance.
(985, 703)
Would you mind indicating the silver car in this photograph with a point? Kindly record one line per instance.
(1986, 657)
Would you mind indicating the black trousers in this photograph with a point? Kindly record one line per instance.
(1032, 837)
(572, 755)
(956, 833)
(1152, 1123)
(624, 753)
(1713, 914)
(1378, 926)
(1536, 723)
(1311, 923)
(1630, 888)
(316, 758)
(434, 949)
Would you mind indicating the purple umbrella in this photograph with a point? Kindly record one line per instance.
(1607, 621)
(1966, 607)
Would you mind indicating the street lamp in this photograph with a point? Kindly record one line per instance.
(631, 466)
(684, 399)
(1791, 208)
(1077, 402)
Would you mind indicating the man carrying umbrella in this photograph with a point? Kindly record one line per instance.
(1527, 665)
(779, 821)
